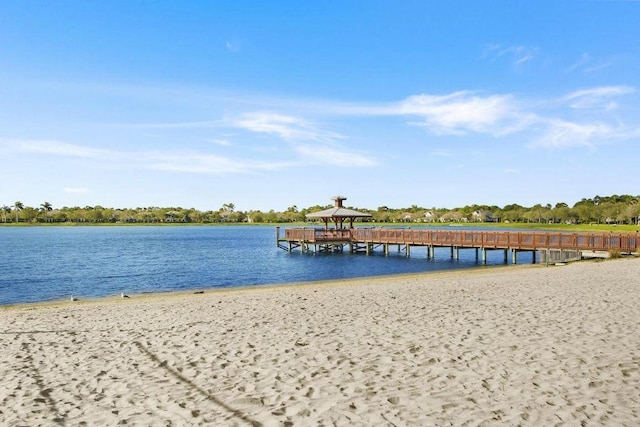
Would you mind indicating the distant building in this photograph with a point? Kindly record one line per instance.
(483, 216)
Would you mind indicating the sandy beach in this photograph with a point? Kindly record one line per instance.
(517, 345)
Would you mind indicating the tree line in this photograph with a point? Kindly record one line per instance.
(624, 209)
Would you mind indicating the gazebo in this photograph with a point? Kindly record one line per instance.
(338, 214)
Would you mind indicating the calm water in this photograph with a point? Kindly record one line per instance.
(48, 263)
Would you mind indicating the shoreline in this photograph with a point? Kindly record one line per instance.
(517, 226)
(510, 345)
(198, 292)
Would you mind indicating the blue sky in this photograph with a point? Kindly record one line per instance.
(272, 104)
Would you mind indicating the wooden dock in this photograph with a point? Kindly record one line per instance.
(367, 240)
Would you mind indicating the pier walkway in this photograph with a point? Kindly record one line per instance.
(366, 240)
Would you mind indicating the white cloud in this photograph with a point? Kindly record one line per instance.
(281, 125)
(457, 113)
(305, 138)
(498, 115)
(460, 112)
(540, 121)
(285, 126)
(597, 97)
(306, 121)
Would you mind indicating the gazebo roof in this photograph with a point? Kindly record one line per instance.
(338, 212)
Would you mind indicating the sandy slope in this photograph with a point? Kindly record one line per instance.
(521, 345)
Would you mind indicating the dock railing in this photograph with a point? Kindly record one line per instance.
(319, 235)
(519, 240)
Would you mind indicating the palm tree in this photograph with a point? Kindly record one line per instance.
(46, 208)
(5, 210)
(18, 206)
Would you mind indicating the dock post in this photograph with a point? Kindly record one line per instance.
(476, 254)
(534, 256)
(506, 256)
(484, 255)
(451, 252)
(514, 256)
(278, 236)
(457, 253)
(407, 250)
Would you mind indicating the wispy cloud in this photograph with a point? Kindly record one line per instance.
(302, 123)
(518, 55)
(499, 115)
(61, 149)
(576, 127)
(459, 112)
(299, 131)
(541, 122)
(586, 64)
(580, 63)
(306, 139)
(597, 97)
(566, 134)
(194, 161)
(284, 126)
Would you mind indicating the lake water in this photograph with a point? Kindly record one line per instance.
(49, 263)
